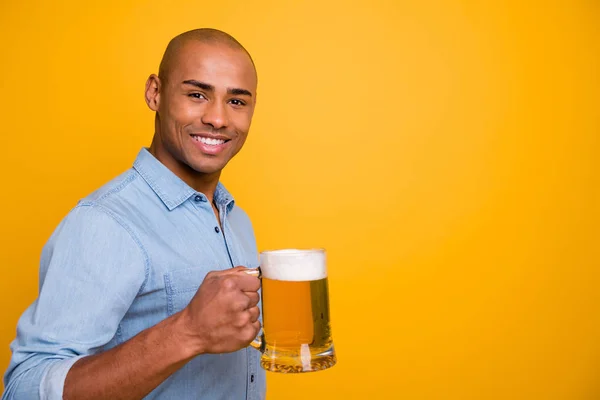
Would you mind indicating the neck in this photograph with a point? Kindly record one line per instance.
(200, 182)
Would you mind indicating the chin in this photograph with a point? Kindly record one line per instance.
(207, 169)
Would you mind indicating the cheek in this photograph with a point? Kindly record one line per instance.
(181, 114)
(189, 113)
(242, 122)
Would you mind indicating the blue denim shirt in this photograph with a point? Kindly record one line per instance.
(125, 258)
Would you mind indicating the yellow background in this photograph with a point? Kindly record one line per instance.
(444, 152)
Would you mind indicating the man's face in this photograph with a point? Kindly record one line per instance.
(205, 105)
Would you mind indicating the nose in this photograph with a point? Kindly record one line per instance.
(215, 115)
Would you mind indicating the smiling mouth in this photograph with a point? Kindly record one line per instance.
(209, 141)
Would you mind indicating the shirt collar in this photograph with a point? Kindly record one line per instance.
(169, 187)
(223, 198)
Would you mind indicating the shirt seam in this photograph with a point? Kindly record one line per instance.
(120, 186)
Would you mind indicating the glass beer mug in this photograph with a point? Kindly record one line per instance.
(296, 332)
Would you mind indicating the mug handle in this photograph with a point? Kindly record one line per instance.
(259, 342)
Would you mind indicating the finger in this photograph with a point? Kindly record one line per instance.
(254, 298)
(234, 270)
(240, 269)
(246, 283)
(239, 281)
(254, 314)
(216, 274)
(256, 325)
(254, 272)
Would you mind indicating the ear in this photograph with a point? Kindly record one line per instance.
(152, 94)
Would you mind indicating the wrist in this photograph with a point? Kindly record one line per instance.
(189, 342)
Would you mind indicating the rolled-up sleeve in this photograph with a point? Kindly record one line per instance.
(91, 270)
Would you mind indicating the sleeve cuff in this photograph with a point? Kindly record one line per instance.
(53, 381)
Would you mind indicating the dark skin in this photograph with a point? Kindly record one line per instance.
(210, 96)
(206, 92)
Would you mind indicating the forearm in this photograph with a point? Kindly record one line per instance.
(132, 369)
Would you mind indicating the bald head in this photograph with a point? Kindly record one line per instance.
(203, 35)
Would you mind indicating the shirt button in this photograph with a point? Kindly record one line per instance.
(198, 199)
(217, 229)
(252, 378)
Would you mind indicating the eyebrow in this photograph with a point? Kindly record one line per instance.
(211, 88)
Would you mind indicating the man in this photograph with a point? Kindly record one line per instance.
(139, 294)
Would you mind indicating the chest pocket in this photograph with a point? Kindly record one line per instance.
(181, 285)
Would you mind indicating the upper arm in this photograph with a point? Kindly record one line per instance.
(91, 270)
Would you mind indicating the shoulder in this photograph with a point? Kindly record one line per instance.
(95, 237)
(114, 189)
(126, 198)
(102, 210)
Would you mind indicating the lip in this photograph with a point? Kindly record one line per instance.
(209, 149)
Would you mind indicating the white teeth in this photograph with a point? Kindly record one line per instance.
(212, 142)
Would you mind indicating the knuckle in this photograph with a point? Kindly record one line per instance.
(239, 303)
(211, 275)
(242, 305)
(249, 333)
(254, 313)
(244, 319)
(228, 283)
(241, 320)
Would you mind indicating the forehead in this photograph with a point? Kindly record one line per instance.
(216, 64)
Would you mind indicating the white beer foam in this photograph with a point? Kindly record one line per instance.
(293, 265)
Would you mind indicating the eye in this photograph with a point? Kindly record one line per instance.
(237, 102)
(196, 95)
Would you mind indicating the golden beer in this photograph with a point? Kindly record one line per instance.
(296, 333)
